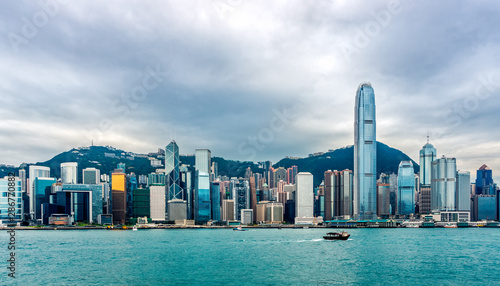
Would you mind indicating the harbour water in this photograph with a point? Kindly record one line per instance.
(256, 257)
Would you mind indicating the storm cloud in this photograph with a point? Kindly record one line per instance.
(250, 80)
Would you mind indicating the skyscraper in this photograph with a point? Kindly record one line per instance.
(119, 198)
(253, 197)
(172, 172)
(383, 199)
(227, 210)
(35, 172)
(304, 199)
(338, 194)
(240, 190)
(443, 184)
(69, 173)
(91, 176)
(202, 206)
(406, 188)
(22, 178)
(291, 174)
(484, 181)
(15, 193)
(203, 160)
(41, 187)
(215, 198)
(365, 154)
(427, 155)
(280, 174)
(463, 191)
(187, 175)
(157, 202)
(393, 194)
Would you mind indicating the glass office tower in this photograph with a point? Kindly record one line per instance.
(365, 154)
(16, 187)
(484, 181)
(202, 207)
(463, 191)
(203, 160)
(406, 188)
(216, 201)
(427, 155)
(443, 184)
(172, 172)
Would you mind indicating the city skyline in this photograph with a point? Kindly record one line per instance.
(214, 90)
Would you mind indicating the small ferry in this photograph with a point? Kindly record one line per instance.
(135, 228)
(449, 225)
(337, 236)
(239, 228)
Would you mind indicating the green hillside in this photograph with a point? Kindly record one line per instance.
(388, 160)
(107, 158)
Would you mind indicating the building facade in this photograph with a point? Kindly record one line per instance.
(157, 202)
(365, 154)
(202, 205)
(12, 186)
(119, 197)
(406, 188)
(69, 173)
(383, 200)
(463, 201)
(240, 190)
(172, 172)
(304, 199)
(484, 181)
(91, 176)
(203, 160)
(443, 184)
(427, 156)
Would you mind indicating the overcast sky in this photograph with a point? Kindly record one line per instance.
(250, 80)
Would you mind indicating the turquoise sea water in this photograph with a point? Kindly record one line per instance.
(256, 257)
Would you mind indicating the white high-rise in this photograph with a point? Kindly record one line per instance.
(304, 198)
(365, 154)
(157, 202)
(69, 173)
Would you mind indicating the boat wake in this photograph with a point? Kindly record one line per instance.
(309, 240)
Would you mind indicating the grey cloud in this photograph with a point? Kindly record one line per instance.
(227, 73)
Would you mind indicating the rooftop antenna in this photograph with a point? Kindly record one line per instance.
(427, 136)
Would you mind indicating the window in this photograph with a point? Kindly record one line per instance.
(369, 142)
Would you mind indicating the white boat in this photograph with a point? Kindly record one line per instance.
(135, 228)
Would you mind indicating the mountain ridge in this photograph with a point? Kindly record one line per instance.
(106, 159)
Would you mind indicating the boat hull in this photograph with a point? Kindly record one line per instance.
(336, 238)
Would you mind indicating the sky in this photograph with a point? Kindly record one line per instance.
(249, 80)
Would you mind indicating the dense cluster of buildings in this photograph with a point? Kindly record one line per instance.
(197, 194)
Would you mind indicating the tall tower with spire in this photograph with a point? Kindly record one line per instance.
(365, 154)
(427, 155)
